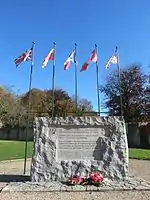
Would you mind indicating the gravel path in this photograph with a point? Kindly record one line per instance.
(78, 195)
(137, 167)
(140, 168)
(14, 166)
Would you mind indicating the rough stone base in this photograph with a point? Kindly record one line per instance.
(131, 184)
(109, 155)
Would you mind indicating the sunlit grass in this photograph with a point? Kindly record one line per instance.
(10, 150)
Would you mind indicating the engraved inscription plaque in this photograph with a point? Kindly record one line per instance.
(77, 144)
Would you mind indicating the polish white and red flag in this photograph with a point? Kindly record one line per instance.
(50, 56)
(92, 59)
(70, 59)
(27, 55)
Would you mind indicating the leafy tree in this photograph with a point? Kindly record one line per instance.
(41, 102)
(38, 101)
(147, 99)
(60, 94)
(62, 102)
(14, 108)
(9, 108)
(64, 108)
(84, 105)
(131, 89)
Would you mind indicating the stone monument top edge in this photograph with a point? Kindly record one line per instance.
(79, 121)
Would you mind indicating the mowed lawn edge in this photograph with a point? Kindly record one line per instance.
(141, 154)
(11, 150)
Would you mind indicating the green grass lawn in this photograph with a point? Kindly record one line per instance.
(15, 150)
(10, 150)
(139, 154)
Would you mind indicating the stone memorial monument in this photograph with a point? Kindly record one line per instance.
(77, 145)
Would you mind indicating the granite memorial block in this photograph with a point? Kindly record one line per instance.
(78, 145)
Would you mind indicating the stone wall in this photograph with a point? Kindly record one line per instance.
(15, 134)
(138, 134)
(56, 159)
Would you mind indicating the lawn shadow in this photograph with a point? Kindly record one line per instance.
(14, 178)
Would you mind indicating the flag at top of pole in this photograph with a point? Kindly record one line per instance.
(26, 56)
(112, 60)
(70, 59)
(92, 59)
(50, 56)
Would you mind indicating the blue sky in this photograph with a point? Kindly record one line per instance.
(107, 23)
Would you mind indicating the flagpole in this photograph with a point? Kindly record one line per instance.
(29, 105)
(53, 83)
(76, 86)
(97, 77)
(119, 80)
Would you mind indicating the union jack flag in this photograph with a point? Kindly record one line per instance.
(26, 56)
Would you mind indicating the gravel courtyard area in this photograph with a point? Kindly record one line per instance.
(14, 166)
(138, 168)
(78, 195)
